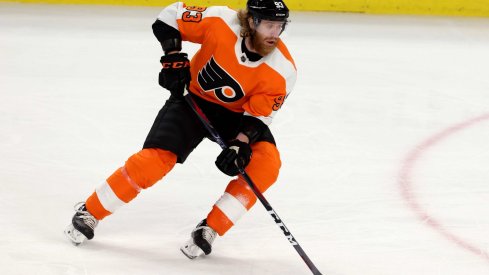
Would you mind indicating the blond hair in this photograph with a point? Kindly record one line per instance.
(243, 16)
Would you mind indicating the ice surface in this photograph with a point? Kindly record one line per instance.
(384, 144)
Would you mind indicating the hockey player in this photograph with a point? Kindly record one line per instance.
(240, 78)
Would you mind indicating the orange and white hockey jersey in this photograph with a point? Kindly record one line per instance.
(219, 74)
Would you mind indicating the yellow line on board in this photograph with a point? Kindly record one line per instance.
(428, 7)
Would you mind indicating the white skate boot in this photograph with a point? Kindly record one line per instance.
(200, 242)
(82, 225)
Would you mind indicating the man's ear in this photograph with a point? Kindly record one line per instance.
(251, 23)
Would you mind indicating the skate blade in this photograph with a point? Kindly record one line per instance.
(75, 236)
(191, 250)
(188, 255)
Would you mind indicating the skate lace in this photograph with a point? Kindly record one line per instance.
(208, 234)
(88, 219)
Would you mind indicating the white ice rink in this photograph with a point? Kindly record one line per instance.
(384, 142)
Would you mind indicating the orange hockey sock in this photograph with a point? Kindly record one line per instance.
(238, 197)
(141, 171)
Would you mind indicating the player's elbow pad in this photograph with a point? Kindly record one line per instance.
(169, 37)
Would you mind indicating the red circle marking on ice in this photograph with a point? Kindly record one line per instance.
(405, 183)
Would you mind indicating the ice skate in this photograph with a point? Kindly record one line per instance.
(200, 242)
(82, 225)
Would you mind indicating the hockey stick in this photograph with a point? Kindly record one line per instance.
(207, 124)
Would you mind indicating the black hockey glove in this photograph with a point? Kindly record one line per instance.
(175, 74)
(238, 154)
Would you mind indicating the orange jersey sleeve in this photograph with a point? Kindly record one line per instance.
(220, 72)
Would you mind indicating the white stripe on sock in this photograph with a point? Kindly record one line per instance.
(108, 198)
(231, 207)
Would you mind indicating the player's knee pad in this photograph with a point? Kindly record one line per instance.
(242, 192)
(264, 166)
(239, 197)
(150, 165)
(263, 170)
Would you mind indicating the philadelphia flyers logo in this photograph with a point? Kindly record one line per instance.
(213, 78)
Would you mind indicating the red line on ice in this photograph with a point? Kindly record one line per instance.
(405, 181)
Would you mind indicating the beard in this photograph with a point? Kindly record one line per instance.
(261, 45)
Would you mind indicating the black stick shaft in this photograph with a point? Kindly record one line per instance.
(207, 124)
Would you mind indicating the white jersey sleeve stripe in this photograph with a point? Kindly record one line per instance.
(169, 14)
(173, 12)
